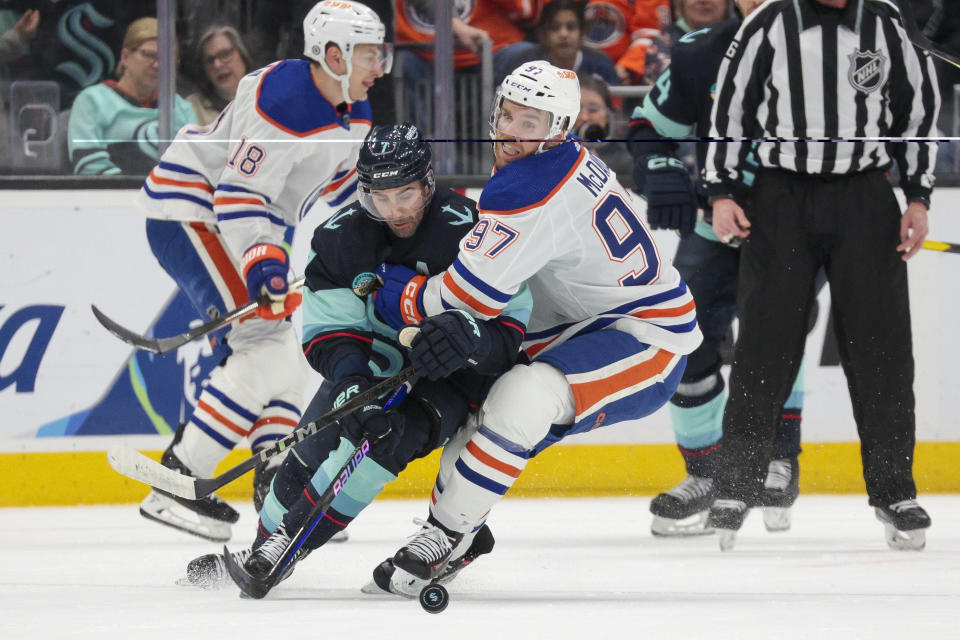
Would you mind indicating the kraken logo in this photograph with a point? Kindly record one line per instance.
(147, 135)
(73, 30)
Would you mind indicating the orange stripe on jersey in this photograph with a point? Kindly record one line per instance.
(666, 313)
(492, 462)
(467, 299)
(339, 183)
(583, 153)
(533, 350)
(222, 420)
(262, 422)
(221, 201)
(221, 259)
(203, 186)
(588, 394)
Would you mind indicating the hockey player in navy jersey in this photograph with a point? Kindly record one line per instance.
(678, 106)
(404, 219)
(611, 324)
(222, 205)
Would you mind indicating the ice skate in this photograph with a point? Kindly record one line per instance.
(208, 518)
(209, 571)
(682, 510)
(780, 490)
(727, 516)
(427, 552)
(387, 578)
(253, 576)
(904, 523)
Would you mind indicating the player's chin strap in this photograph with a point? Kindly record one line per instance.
(344, 79)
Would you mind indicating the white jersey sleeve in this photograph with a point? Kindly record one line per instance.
(275, 150)
(562, 222)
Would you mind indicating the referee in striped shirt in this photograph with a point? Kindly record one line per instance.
(819, 84)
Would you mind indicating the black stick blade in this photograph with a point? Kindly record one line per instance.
(131, 338)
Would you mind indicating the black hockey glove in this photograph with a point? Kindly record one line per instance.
(448, 342)
(665, 184)
(370, 421)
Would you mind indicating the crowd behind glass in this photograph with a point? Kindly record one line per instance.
(79, 78)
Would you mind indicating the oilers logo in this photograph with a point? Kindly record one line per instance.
(605, 24)
(74, 30)
(421, 18)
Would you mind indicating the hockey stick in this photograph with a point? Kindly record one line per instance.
(911, 25)
(258, 587)
(133, 464)
(165, 345)
(946, 247)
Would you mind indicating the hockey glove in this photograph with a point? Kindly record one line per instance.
(448, 342)
(665, 184)
(399, 301)
(370, 421)
(265, 268)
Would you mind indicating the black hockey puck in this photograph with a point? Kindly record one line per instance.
(434, 598)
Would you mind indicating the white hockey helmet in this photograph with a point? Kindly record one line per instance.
(346, 24)
(541, 85)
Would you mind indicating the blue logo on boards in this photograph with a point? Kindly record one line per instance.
(42, 320)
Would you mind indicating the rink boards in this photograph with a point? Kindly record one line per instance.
(68, 388)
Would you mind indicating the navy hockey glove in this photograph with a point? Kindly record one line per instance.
(449, 342)
(265, 268)
(399, 301)
(370, 421)
(665, 184)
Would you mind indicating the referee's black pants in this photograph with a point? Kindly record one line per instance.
(850, 226)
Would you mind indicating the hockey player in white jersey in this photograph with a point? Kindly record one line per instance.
(611, 321)
(222, 205)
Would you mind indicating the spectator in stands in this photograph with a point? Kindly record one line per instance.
(561, 33)
(113, 124)
(14, 44)
(597, 121)
(224, 60)
(623, 29)
(499, 21)
(691, 15)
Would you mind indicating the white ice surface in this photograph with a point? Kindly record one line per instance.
(561, 569)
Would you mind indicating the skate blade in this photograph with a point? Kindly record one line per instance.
(210, 585)
(777, 518)
(167, 512)
(695, 525)
(405, 584)
(373, 589)
(340, 536)
(728, 539)
(898, 540)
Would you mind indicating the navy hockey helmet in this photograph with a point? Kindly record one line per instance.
(392, 157)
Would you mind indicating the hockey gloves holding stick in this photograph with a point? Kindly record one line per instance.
(370, 421)
(665, 184)
(449, 342)
(265, 269)
(399, 301)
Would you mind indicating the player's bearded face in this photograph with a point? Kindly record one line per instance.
(519, 130)
(402, 208)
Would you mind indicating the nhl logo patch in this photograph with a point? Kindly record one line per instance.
(867, 71)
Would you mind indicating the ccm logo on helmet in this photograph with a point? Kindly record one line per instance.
(519, 86)
(386, 174)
